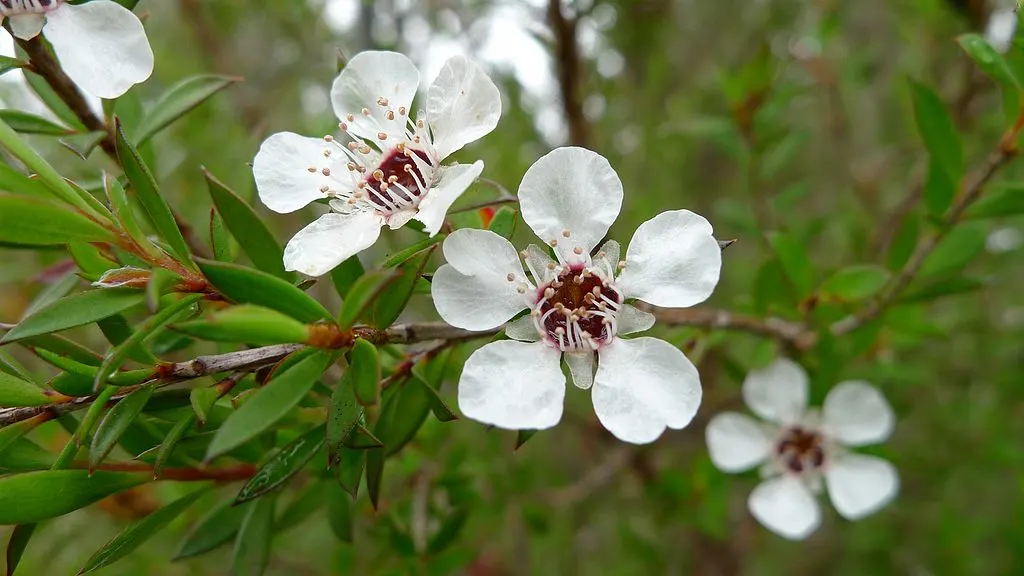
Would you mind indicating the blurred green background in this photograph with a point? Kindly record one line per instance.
(762, 115)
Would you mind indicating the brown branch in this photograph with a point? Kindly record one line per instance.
(793, 333)
(1003, 153)
(570, 72)
(230, 474)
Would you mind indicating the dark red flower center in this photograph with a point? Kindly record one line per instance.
(801, 449)
(16, 7)
(397, 181)
(578, 310)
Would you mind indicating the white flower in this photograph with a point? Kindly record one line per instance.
(799, 447)
(391, 171)
(577, 305)
(100, 44)
(1001, 26)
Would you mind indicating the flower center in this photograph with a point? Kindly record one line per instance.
(399, 180)
(16, 7)
(800, 449)
(577, 310)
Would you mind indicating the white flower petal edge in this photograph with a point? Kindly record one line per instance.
(860, 485)
(27, 26)
(572, 189)
(785, 506)
(856, 414)
(736, 442)
(777, 392)
(367, 77)
(330, 240)
(463, 105)
(513, 385)
(473, 290)
(453, 181)
(1001, 26)
(633, 319)
(673, 260)
(642, 386)
(581, 367)
(101, 45)
(281, 170)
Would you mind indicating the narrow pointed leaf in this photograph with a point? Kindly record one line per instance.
(38, 496)
(145, 187)
(36, 222)
(248, 286)
(989, 60)
(27, 123)
(116, 423)
(17, 392)
(302, 507)
(269, 404)
(342, 416)
(213, 531)
(402, 256)
(179, 100)
(364, 292)
(252, 546)
(522, 436)
(937, 131)
(247, 323)
(339, 513)
(503, 223)
(364, 365)
(854, 282)
(252, 234)
(16, 546)
(344, 275)
(349, 470)
(393, 298)
(283, 465)
(437, 404)
(75, 310)
(171, 441)
(138, 533)
(795, 261)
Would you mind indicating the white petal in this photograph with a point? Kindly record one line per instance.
(522, 329)
(368, 77)
(281, 169)
(856, 414)
(642, 386)
(101, 45)
(1001, 26)
(396, 220)
(736, 442)
(581, 367)
(860, 485)
(631, 320)
(463, 105)
(673, 260)
(785, 506)
(473, 290)
(571, 188)
(607, 260)
(453, 181)
(539, 264)
(330, 240)
(778, 392)
(27, 26)
(513, 385)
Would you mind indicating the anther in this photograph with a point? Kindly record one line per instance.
(311, 169)
(622, 264)
(390, 115)
(378, 174)
(382, 136)
(365, 111)
(577, 250)
(510, 277)
(324, 189)
(553, 243)
(327, 153)
(351, 166)
(328, 138)
(521, 290)
(343, 126)
(565, 232)
(400, 147)
(549, 293)
(382, 101)
(551, 265)
(364, 149)
(401, 110)
(326, 171)
(350, 117)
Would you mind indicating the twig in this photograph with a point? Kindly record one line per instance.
(1006, 150)
(231, 474)
(569, 68)
(794, 333)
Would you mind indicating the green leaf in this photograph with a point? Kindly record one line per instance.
(220, 238)
(247, 323)
(123, 211)
(391, 301)
(339, 513)
(503, 223)
(35, 222)
(374, 474)
(71, 366)
(116, 423)
(283, 393)
(252, 234)
(437, 405)
(364, 292)
(11, 180)
(903, 242)
(213, 531)
(342, 416)
(252, 547)
(450, 529)
(1005, 199)
(285, 464)
(181, 427)
(349, 469)
(990, 61)
(31, 124)
(18, 392)
(248, 286)
(16, 546)
(146, 190)
(362, 439)
(956, 249)
(937, 131)
(49, 96)
(794, 260)
(7, 64)
(138, 533)
(82, 144)
(939, 189)
(179, 100)
(202, 401)
(45, 494)
(76, 310)
(52, 293)
(940, 288)
(522, 436)
(402, 256)
(10, 365)
(344, 275)
(304, 505)
(402, 416)
(854, 282)
(364, 365)
(143, 333)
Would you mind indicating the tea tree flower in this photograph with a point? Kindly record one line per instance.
(100, 44)
(1000, 28)
(578, 306)
(799, 448)
(388, 171)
